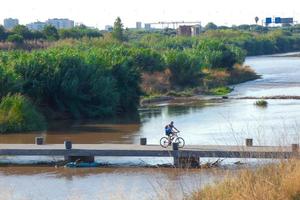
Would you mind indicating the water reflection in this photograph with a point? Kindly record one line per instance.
(97, 183)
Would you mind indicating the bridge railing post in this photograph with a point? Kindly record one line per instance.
(39, 140)
(68, 144)
(249, 142)
(143, 141)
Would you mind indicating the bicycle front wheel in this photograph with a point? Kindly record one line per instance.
(164, 142)
(180, 142)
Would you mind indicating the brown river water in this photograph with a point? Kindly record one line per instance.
(213, 122)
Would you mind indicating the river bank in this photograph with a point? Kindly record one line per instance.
(203, 95)
(217, 83)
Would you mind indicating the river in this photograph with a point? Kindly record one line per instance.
(214, 122)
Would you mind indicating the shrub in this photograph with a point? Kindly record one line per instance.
(240, 74)
(9, 81)
(184, 67)
(261, 103)
(215, 78)
(94, 83)
(17, 113)
(16, 38)
(220, 90)
(217, 54)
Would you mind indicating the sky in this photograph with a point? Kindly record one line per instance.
(98, 13)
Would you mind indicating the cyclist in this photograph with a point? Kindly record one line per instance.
(169, 129)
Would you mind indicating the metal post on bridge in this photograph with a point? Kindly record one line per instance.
(68, 145)
(143, 141)
(39, 140)
(249, 142)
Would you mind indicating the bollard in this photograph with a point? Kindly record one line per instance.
(39, 140)
(249, 142)
(68, 144)
(143, 141)
(295, 148)
(175, 146)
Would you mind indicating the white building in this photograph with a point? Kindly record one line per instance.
(196, 30)
(148, 27)
(61, 23)
(10, 23)
(36, 26)
(138, 25)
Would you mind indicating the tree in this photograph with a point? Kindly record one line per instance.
(118, 30)
(15, 38)
(184, 66)
(37, 35)
(211, 26)
(245, 27)
(256, 19)
(51, 33)
(3, 34)
(23, 31)
(217, 54)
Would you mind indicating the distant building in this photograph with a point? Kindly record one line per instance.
(196, 30)
(10, 23)
(108, 28)
(189, 30)
(138, 25)
(184, 30)
(148, 27)
(36, 26)
(61, 23)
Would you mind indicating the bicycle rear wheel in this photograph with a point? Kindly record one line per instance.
(180, 142)
(164, 142)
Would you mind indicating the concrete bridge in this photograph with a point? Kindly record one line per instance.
(188, 156)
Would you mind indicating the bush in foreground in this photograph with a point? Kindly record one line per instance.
(17, 114)
(277, 181)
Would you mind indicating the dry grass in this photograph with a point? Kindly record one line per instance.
(27, 45)
(272, 182)
(215, 77)
(241, 74)
(157, 82)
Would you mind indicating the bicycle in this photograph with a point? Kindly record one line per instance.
(164, 141)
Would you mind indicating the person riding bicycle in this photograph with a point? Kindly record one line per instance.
(169, 129)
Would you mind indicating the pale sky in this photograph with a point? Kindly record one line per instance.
(99, 13)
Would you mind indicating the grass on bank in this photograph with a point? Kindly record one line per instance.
(17, 113)
(271, 182)
(220, 91)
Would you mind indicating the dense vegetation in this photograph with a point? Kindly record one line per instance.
(88, 77)
(20, 33)
(71, 81)
(17, 113)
